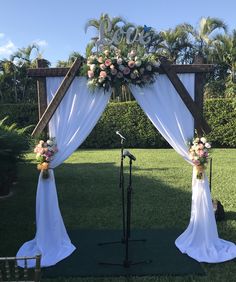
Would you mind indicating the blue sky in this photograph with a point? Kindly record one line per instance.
(58, 25)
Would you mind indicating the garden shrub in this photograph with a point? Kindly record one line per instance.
(13, 144)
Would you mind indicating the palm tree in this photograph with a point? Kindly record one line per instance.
(225, 50)
(175, 44)
(224, 54)
(23, 55)
(204, 34)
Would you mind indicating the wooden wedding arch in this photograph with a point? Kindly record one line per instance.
(171, 70)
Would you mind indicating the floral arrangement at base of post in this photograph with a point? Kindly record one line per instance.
(113, 68)
(44, 154)
(199, 154)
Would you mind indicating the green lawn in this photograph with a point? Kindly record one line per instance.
(89, 197)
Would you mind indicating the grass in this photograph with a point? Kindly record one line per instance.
(89, 197)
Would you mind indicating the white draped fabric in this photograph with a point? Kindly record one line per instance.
(167, 112)
(72, 122)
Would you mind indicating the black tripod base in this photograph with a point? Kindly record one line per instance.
(126, 263)
(122, 241)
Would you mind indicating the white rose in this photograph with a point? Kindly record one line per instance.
(92, 67)
(50, 142)
(138, 63)
(207, 145)
(156, 64)
(203, 140)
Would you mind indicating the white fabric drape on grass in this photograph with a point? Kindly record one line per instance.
(72, 122)
(170, 116)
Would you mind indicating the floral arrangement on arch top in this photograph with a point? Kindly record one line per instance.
(113, 67)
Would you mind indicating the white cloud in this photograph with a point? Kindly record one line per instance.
(41, 43)
(2, 35)
(7, 48)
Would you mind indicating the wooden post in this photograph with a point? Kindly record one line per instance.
(41, 89)
(198, 92)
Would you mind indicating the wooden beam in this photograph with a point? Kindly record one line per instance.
(184, 95)
(194, 68)
(60, 93)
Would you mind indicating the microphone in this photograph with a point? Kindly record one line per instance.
(121, 136)
(126, 153)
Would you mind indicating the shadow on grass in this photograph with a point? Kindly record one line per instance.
(90, 198)
(230, 215)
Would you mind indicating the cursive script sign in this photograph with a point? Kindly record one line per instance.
(131, 35)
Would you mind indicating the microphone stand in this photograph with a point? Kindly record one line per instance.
(126, 262)
(126, 217)
(121, 186)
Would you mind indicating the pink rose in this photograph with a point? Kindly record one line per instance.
(201, 153)
(103, 74)
(102, 67)
(131, 64)
(90, 74)
(196, 162)
(108, 62)
(200, 146)
(100, 60)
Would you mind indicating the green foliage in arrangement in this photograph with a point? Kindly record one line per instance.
(221, 116)
(13, 144)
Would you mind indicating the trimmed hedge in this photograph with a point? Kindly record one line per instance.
(131, 121)
(221, 116)
(22, 114)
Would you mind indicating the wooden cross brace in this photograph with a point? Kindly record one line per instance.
(200, 123)
(61, 91)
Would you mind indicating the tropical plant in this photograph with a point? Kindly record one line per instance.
(13, 144)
